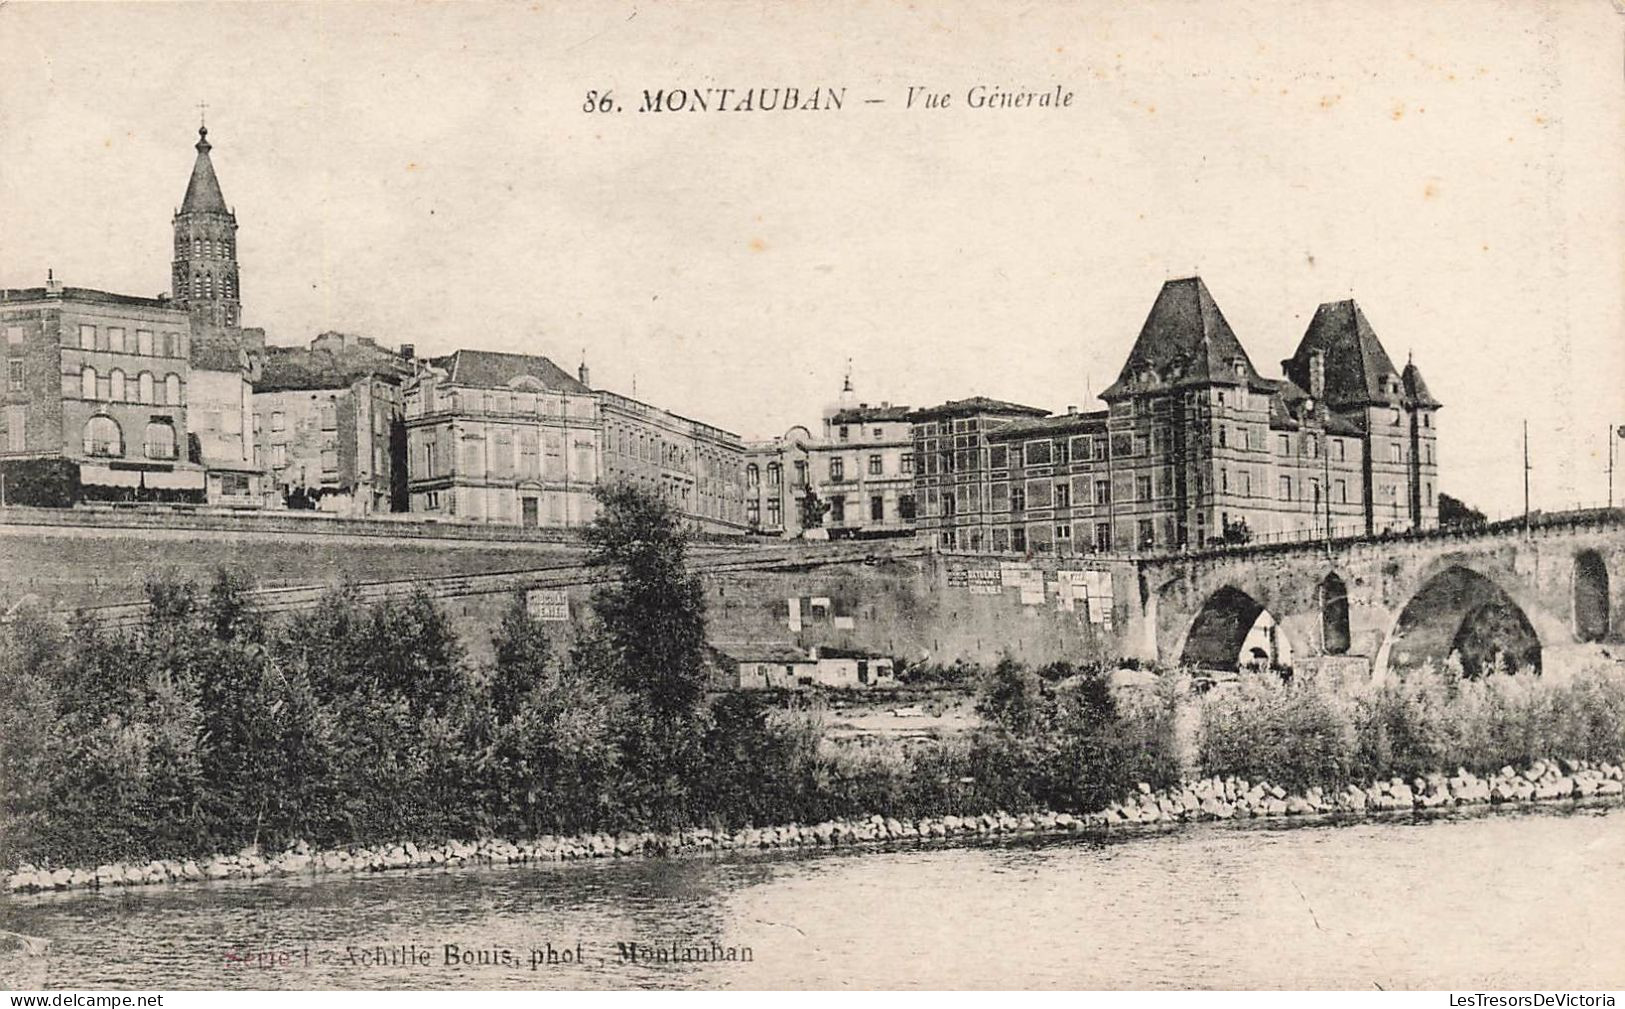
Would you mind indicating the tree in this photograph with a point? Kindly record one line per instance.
(651, 612)
(813, 510)
(1455, 512)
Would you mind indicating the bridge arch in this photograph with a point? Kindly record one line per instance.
(1591, 596)
(1231, 629)
(1463, 611)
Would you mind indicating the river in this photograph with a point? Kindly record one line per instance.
(1462, 900)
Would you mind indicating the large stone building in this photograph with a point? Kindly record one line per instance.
(502, 438)
(98, 383)
(855, 479)
(957, 466)
(694, 466)
(220, 413)
(1197, 447)
(328, 424)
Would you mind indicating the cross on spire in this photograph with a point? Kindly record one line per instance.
(202, 113)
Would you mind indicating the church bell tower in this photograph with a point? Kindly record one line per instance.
(204, 278)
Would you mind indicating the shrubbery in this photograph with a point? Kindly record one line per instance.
(210, 727)
(1299, 735)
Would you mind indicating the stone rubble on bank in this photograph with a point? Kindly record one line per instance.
(1207, 799)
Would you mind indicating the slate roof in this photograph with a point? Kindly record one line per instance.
(489, 369)
(203, 190)
(1185, 341)
(975, 405)
(293, 368)
(1358, 369)
(1066, 423)
(1415, 388)
(870, 414)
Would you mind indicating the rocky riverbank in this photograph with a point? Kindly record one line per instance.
(1208, 799)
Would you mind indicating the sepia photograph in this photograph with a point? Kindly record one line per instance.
(864, 496)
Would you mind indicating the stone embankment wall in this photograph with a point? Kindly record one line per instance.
(1209, 799)
(893, 597)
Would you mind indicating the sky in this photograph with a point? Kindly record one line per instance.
(427, 174)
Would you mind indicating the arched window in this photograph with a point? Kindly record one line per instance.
(87, 382)
(197, 247)
(1334, 616)
(143, 387)
(160, 440)
(172, 389)
(117, 386)
(752, 475)
(103, 437)
(773, 474)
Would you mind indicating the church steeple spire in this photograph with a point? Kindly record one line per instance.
(204, 277)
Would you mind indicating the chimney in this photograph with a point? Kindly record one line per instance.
(408, 351)
(1071, 410)
(53, 286)
(1317, 373)
(584, 375)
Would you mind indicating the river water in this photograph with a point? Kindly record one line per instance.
(1526, 899)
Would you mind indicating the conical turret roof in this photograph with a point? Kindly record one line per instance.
(203, 191)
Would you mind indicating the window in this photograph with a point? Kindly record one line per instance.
(144, 387)
(875, 466)
(87, 337)
(1038, 453)
(845, 432)
(998, 457)
(103, 437)
(14, 375)
(877, 509)
(116, 386)
(1286, 488)
(907, 463)
(1063, 533)
(87, 382)
(801, 473)
(115, 339)
(1142, 488)
(143, 342)
(1311, 447)
(837, 470)
(1018, 500)
(775, 511)
(1222, 442)
(905, 507)
(1428, 500)
(1080, 449)
(428, 452)
(753, 476)
(1395, 453)
(1018, 540)
(1122, 445)
(1338, 449)
(16, 428)
(879, 434)
(1103, 492)
(1063, 495)
(172, 389)
(1147, 534)
(1246, 483)
(1340, 490)
(1285, 446)
(774, 472)
(279, 420)
(837, 510)
(160, 440)
(1141, 445)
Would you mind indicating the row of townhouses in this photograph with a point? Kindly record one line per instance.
(113, 397)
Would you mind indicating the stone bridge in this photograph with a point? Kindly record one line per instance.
(1539, 593)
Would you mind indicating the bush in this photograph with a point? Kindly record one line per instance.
(1261, 728)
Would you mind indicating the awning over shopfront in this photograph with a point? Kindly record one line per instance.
(136, 476)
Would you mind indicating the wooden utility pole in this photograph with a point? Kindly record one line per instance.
(1526, 474)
